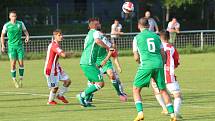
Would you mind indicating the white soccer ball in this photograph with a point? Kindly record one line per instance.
(128, 7)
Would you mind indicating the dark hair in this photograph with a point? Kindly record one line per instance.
(165, 34)
(57, 31)
(144, 22)
(13, 11)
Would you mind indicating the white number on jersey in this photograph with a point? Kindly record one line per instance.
(151, 45)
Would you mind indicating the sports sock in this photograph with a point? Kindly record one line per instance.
(51, 96)
(139, 106)
(170, 108)
(160, 100)
(116, 86)
(62, 90)
(177, 105)
(89, 90)
(13, 74)
(21, 71)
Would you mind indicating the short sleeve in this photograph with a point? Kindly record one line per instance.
(4, 30)
(97, 35)
(177, 26)
(120, 26)
(106, 41)
(155, 23)
(135, 48)
(169, 26)
(23, 27)
(57, 49)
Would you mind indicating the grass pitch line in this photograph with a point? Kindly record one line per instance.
(152, 104)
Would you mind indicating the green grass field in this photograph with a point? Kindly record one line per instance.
(29, 103)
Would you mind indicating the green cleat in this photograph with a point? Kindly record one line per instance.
(81, 100)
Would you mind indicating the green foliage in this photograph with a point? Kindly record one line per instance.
(176, 3)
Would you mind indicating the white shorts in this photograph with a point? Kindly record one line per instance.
(53, 80)
(172, 88)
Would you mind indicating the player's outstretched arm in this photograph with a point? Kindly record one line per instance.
(101, 43)
(26, 36)
(2, 42)
(116, 61)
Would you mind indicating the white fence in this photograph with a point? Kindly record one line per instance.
(74, 43)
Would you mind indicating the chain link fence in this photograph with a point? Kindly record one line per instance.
(75, 43)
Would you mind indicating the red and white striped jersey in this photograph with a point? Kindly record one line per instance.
(172, 62)
(52, 65)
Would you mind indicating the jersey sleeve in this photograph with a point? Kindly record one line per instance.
(23, 27)
(4, 29)
(106, 41)
(135, 48)
(97, 35)
(57, 49)
(176, 58)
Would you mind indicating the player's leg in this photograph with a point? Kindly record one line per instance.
(52, 82)
(174, 89)
(89, 98)
(66, 83)
(142, 79)
(20, 53)
(160, 81)
(13, 57)
(159, 97)
(93, 74)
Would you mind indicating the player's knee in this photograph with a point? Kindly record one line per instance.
(136, 89)
(177, 95)
(101, 84)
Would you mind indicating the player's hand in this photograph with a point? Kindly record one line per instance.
(119, 70)
(3, 48)
(27, 39)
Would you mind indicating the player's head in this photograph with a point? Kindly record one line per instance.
(12, 15)
(164, 36)
(174, 20)
(147, 14)
(116, 21)
(57, 34)
(94, 24)
(143, 23)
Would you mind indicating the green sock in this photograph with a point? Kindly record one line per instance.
(13, 74)
(116, 86)
(21, 71)
(89, 90)
(139, 106)
(170, 108)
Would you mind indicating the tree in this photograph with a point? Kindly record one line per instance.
(174, 3)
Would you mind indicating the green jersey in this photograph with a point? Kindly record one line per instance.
(90, 52)
(102, 53)
(14, 32)
(148, 45)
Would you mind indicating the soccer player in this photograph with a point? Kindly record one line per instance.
(172, 62)
(109, 70)
(92, 46)
(149, 54)
(53, 71)
(14, 29)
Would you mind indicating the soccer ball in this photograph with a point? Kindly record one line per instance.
(128, 7)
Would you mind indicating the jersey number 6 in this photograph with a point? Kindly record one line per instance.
(151, 45)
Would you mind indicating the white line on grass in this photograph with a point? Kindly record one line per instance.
(45, 95)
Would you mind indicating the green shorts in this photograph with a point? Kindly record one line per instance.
(143, 78)
(107, 66)
(16, 52)
(92, 73)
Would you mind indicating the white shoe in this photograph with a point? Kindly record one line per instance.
(15, 83)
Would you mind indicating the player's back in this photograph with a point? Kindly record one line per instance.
(149, 44)
(89, 53)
